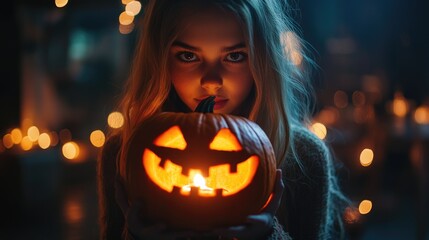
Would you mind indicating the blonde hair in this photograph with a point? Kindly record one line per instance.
(281, 94)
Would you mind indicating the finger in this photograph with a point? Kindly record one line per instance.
(120, 196)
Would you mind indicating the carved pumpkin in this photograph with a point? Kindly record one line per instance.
(199, 170)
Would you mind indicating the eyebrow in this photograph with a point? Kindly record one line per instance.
(192, 48)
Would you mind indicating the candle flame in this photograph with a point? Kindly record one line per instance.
(199, 181)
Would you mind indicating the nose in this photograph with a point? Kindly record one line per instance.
(212, 81)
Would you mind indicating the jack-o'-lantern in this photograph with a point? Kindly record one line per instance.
(199, 171)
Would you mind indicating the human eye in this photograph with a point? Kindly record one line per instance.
(187, 57)
(236, 57)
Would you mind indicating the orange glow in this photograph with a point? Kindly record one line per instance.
(33, 133)
(26, 124)
(16, 135)
(199, 182)
(220, 177)
(365, 207)
(319, 130)
(400, 105)
(61, 3)
(73, 210)
(44, 141)
(70, 150)
(125, 2)
(133, 8)
(26, 143)
(126, 29)
(366, 157)
(125, 18)
(225, 140)
(172, 138)
(7, 141)
(97, 138)
(328, 115)
(351, 215)
(292, 48)
(421, 115)
(341, 99)
(115, 120)
(295, 57)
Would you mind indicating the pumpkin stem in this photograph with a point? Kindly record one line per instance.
(206, 105)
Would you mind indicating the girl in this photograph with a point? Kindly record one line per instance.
(235, 51)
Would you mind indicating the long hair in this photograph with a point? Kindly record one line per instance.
(279, 61)
(282, 92)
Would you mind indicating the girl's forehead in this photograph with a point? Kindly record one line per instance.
(210, 25)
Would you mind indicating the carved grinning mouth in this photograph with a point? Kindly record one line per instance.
(220, 180)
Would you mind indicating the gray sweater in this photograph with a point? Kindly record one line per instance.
(308, 210)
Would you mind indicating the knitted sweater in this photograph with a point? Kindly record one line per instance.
(307, 207)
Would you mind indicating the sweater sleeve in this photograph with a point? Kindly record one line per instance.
(306, 208)
(111, 219)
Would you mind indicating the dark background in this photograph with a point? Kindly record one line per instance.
(376, 47)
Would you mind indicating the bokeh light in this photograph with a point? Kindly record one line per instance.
(366, 157)
(54, 138)
(133, 8)
(33, 133)
(97, 138)
(365, 207)
(125, 18)
(16, 135)
(341, 99)
(26, 143)
(61, 3)
(7, 141)
(125, 2)
(351, 215)
(115, 120)
(70, 150)
(319, 130)
(44, 141)
(358, 98)
(73, 210)
(400, 105)
(126, 29)
(421, 115)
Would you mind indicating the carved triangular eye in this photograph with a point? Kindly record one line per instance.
(225, 140)
(172, 138)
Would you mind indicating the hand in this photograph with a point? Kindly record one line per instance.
(135, 225)
(259, 225)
